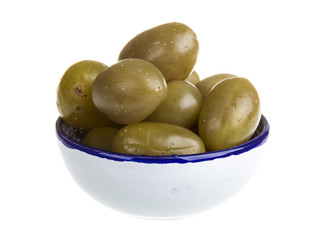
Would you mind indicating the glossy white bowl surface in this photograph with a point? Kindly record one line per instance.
(149, 187)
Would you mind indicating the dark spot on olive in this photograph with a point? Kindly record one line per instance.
(78, 108)
(85, 96)
(78, 91)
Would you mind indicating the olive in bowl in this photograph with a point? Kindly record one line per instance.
(161, 187)
(74, 99)
(129, 90)
(171, 47)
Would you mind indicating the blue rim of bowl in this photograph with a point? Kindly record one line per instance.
(258, 140)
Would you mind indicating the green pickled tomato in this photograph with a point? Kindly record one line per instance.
(74, 99)
(206, 85)
(230, 114)
(100, 138)
(193, 78)
(153, 138)
(129, 91)
(181, 106)
(171, 47)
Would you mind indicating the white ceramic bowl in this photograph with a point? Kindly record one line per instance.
(161, 187)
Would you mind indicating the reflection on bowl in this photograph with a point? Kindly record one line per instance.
(160, 186)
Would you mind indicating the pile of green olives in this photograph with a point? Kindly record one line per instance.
(153, 102)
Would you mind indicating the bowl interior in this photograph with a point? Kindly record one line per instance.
(72, 137)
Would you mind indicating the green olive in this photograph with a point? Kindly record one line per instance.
(193, 78)
(206, 85)
(229, 114)
(171, 47)
(153, 138)
(100, 138)
(129, 91)
(181, 106)
(74, 99)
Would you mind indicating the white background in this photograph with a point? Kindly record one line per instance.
(268, 42)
